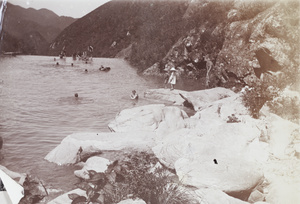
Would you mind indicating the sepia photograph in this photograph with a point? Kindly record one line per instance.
(149, 101)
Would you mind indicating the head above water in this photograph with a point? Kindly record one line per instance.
(133, 91)
(76, 95)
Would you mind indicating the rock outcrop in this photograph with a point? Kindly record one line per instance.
(67, 151)
(249, 42)
(131, 201)
(65, 198)
(220, 150)
(97, 164)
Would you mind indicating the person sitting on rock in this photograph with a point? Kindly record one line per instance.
(134, 95)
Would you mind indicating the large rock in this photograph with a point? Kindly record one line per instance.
(97, 164)
(213, 196)
(283, 178)
(204, 98)
(227, 158)
(65, 198)
(67, 151)
(283, 135)
(165, 95)
(212, 148)
(199, 99)
(143, 118)
(158, 118)
(223, 109)
(131, 201)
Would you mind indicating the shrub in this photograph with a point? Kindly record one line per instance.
(133, 177)
(255, 97)
(287, 107)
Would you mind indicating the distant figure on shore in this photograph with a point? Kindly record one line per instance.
(166, 79)
(72, 64)
(134, 95)
(172, 79)
(76, 95)
(209, 66)
(54, 59)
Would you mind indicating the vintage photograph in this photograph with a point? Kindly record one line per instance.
(149, 101)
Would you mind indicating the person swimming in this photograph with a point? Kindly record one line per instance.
(76, 95)
(134, 95)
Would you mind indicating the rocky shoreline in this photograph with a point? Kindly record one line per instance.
(220, 153)
(221, 150)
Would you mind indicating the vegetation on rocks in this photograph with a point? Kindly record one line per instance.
(255, 97)
(138, 175)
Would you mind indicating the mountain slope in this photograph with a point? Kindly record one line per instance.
(19, 23)
(149, 27)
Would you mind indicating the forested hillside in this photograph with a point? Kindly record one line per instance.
(30, 31)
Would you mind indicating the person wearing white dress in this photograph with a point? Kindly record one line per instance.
(172, 79)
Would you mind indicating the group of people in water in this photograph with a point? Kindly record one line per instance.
(170, 78)
(133, 95)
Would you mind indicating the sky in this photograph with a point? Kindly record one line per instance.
(72, 8)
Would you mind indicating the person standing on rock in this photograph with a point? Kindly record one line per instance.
(209, 66)
(172, 79)
(166, 79)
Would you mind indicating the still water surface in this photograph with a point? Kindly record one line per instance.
(38, 108)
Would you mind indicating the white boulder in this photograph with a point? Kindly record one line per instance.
(214, 196)
(131, 201)
(234, 146)
(199, 99)
(65, 198)
(165, 95)
(283, 177)
(157, 118)
(282, 135)
(142, 118)
(97, 164)
(66, 151)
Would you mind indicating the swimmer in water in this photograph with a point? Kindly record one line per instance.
(76, 95)
(134, 95)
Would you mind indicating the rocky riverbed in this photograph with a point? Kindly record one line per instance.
(219, 152)
(226, 155)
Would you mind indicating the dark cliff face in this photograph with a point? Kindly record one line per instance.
(247, 42)
(30, 31)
